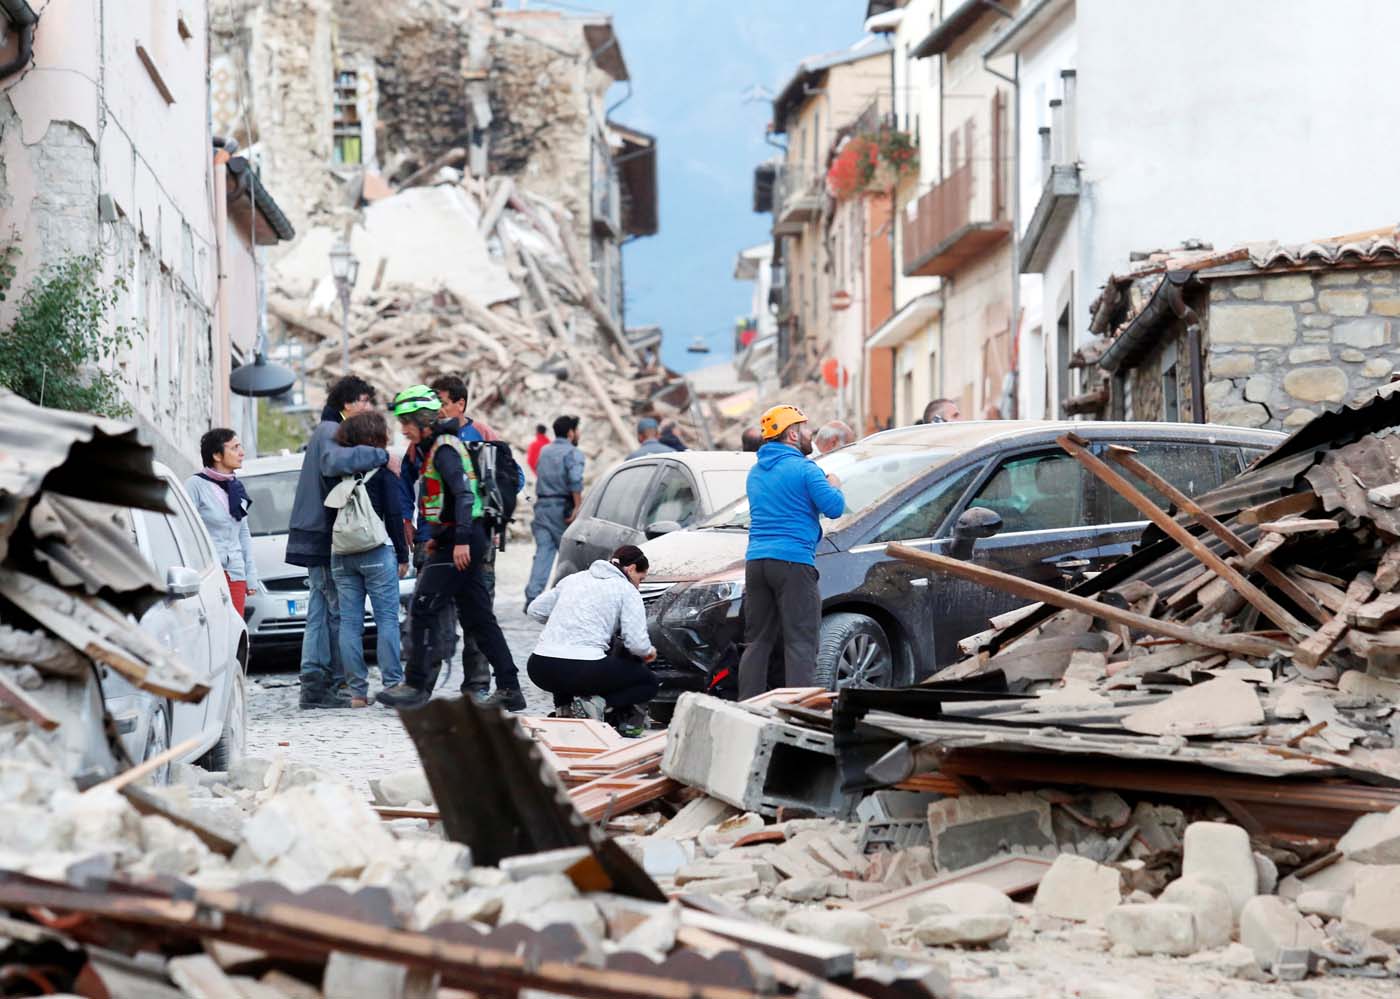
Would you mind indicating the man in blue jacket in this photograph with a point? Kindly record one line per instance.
(787, 497)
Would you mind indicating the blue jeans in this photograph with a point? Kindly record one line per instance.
(548, 529)
(320, 653)
(375, 573)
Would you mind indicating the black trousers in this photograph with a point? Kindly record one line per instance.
(440, 585)
(621, 680)
(781, 602)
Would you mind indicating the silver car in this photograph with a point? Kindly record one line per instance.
(276, 613)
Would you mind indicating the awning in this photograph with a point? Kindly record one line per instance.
(907, 322)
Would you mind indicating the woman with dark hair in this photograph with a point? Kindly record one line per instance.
(374, 573)
(573, 660)
(223, 504)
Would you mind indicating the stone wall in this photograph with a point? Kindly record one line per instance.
(1280, 348)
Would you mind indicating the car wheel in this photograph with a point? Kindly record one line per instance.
(229, 749)
(853, 651)
(157, 742)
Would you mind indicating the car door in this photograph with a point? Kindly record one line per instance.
(673, 497)
(176, 621)
(1049, 535)
(619, 511)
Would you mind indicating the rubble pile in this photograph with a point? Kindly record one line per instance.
(481, 279)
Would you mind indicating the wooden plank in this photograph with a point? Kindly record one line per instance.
(1315, 649)
(1242, 644)
(1326, 594)
(405, 812)
(1262, 552)
(1187, 592)
(150, 804)
(1274, 509)
(1127, 458)
(1378, 612)
(1010, 874)
(145, 768)
(1078, 447)
(1300, 525)
(505, 189)
(17, 698)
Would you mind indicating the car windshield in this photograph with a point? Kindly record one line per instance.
(867, 473)
(726, 484)
(272, 494)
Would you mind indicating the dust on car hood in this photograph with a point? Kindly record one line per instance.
(682, 556)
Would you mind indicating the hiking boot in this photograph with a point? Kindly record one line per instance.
(629, 722)
(506, 698)
(590, 707)
(312, 700)
(479, 695)
(402, 695)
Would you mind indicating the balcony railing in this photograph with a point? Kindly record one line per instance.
(797, 200)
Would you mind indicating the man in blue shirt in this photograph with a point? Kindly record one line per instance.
(787, 497)
(558, 495)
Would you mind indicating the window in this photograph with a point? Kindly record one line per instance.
(1193, 468)
(349, 142)
(1171, 407)
(673, 499)
(1042, 492)
(165, 552)
(193, 543)
(272, 496)
(924, 514)
(623, 495)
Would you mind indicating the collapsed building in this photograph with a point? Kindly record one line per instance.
(467, 156)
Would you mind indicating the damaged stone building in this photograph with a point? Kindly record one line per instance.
(347, 101)
(1264, 335)
(105, 153)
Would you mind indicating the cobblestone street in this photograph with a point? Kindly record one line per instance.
(365, 743)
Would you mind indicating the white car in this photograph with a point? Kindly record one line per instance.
(198, 623)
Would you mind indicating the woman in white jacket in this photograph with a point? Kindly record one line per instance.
(572, 660)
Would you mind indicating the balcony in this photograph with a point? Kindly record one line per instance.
(797, 201)
(944, 235)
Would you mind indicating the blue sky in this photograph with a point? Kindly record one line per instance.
(691, 63)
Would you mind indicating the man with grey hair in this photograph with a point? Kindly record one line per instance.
(648, 436)
(831, 436)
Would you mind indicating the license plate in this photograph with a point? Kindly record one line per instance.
(296, 608)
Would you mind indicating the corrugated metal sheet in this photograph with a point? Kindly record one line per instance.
(75, 454)
(1342, 478)
(89, 545)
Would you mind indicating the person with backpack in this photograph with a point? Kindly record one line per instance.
(501, 484)
(309, 538)
(369, 555)
(450, 501)
(574, 659)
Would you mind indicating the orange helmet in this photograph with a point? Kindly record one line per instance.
(774, 422)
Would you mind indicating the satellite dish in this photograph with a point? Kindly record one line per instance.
(698, 346)
(260, 378)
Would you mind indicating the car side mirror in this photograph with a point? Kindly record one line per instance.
(973, 524)
(181, 582)
(660, 527)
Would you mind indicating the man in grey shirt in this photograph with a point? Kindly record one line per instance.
(558, 494)
(648, 435)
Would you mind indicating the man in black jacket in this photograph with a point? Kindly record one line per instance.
(449, 501)
(309, 537)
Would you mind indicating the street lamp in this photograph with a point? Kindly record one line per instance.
(344, 269)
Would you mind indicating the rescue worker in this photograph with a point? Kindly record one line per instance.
(558, 494)
(648, 436)
(450, 501)
(787, 497)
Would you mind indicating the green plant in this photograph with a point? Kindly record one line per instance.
(8, 252)
(279, 430)
(53, 353)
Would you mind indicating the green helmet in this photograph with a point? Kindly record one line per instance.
(414, 398)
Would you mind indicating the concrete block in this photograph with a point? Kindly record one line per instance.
(521, 898)
(804, 889)
(695, 815)
(1219, 852)
(739, 884)
(881, 806)
(531, 865)
(856, 930)
(1375, 902)
(962, 928)
(1078, 889)
(404, 787)
(1210, 904)
(1160, 928)
(1373, 839)
(716, 839)
(1236, 961)
(249, 773)
(968, 830)
(579, 913)
(348, 975)
(968, 897)
(1340, 876)
(752, 761)
(1266, 874)
(656, 935)
(1327, 904)
(1269, 925)
(705, 870)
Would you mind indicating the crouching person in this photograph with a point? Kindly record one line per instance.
(572, 660)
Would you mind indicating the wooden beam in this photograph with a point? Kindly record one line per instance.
(1300, 525)
(1242, 644)
(1315, 649)
(1379, 612)
(1127, 458)
(427, 172)
(1257, 598)
(1288, 506)
(149, 804)
(16, 697)
(496, 207)
(1262, 552)
(145, 768)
